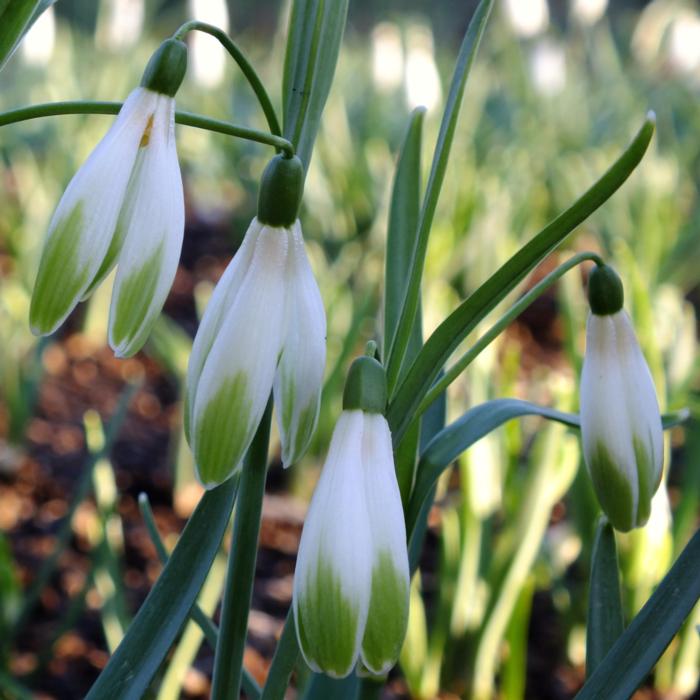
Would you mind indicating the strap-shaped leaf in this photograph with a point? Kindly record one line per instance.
(315, 32)
(634, 654)
(470, 312)
(168, 605)
(450, 442)
(16, 19)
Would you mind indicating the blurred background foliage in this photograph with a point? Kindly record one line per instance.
(499, 607)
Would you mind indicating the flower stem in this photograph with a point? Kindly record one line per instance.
(228, 662)
(243, 63)
(283, 662)
(52, 109)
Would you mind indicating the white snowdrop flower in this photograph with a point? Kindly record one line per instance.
(120, 23)
(548, 67)
(38, 43)
(351, 583)
(387, 56)
(527, 18)
(124, 206)
(620, 419)
(264, 327)
(588, 12)
(208, 56)
(423, 86)
(684, 43)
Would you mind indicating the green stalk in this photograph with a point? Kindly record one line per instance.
(228, 662)
(283, 662)
(532, 295)
(53, 109)
(246, 68)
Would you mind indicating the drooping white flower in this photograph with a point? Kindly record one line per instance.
(264, 327)
(620, 419)
(124, 206)
(351, 583)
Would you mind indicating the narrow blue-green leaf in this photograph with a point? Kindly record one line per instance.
(401, 238)
(283, 662)
(470, 312)
(16, 19)
(322, 687)
(409, 306)
(168, 605)
(315, 33)
(606, 621)
(478, 421)
(634, 654)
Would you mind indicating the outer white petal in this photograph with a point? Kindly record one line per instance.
(237, 377)
(299, 378)
(153, 218)
(221, 301)
(332, 577)
(84, 223)
(618, 410)
(388, 613)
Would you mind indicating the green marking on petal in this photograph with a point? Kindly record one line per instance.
(327, 622)
(613, 490)
(222, 431)
(387, 617)
(60, 279)
(115, 247)
(645, 470)
(133, 303)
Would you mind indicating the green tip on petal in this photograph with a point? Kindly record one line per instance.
(605, 292)
(166, 69)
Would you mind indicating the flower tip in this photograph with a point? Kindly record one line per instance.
(651, 116)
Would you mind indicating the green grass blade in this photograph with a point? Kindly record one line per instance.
(409, 306)
(316, 30)
(605, 618)
(168, 605)
(465, 318)
(634, 654)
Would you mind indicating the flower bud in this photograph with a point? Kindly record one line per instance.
(620, 419)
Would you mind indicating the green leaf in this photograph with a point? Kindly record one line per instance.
(168, 605)
(470, 312)
(16, 19)
(401, 238)
(315, 32)
(605, 617)
(634, 654)
(409, 305)
(283, 662)
(478, 421)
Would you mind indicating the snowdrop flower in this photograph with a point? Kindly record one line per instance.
(124, 206)
(351, 582)
(620, 420)
(264, 326)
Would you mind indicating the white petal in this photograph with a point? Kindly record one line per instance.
(221, 301)
(299, 378)
(332, 576)
(237, 377)
(388, 614)
(153, 219)
(85, 219)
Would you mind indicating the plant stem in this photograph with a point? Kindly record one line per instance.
(228, 662)
(283, 662)
(53, 109)
(243, 63)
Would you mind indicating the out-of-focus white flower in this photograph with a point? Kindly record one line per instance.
(351, 583)
(208, 56)
(684, 43)
(38, 43)
(387, 57)
(620, 419)
(588, 12)
(124, 206)
(527, 18)
(548, 67)
(264, 326)
(120, 23)
(423, 87)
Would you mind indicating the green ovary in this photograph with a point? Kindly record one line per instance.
(388, 615)
(327, 622)
(222, 431)
(132, 306)
(60, 280)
